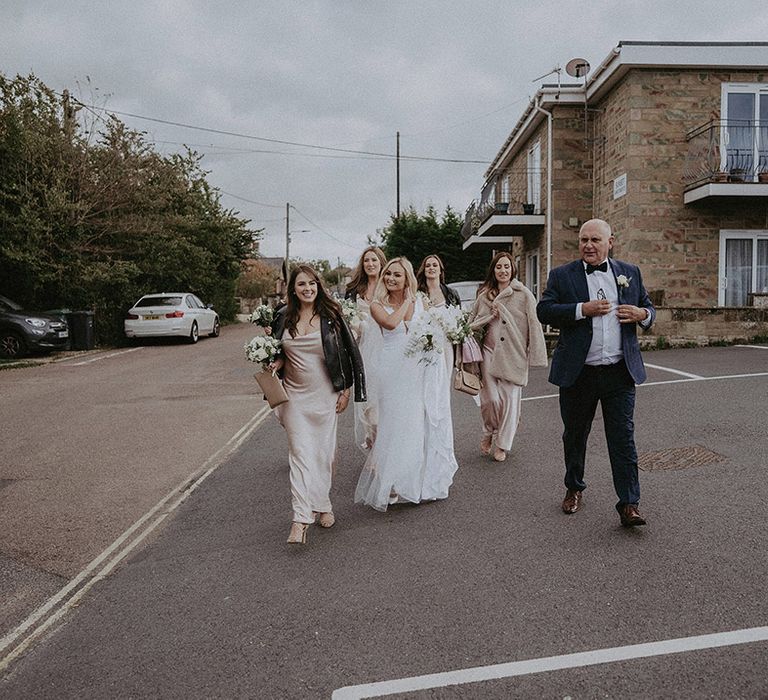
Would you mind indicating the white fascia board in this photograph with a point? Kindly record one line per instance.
(725, 189)
(498, 240)
(670, 56)
(530, 120)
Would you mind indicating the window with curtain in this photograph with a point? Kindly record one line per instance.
(743, 266)
(745, 130)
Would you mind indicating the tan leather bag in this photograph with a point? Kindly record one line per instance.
(464, 380)
(272, 386)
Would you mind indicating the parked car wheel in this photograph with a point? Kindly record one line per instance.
(194, 336)
(216, 329)
(12, 345)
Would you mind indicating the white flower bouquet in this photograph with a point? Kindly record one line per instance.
(349, 310)
(425, 339)
(262, 349)
(459, 331)
(263, 316)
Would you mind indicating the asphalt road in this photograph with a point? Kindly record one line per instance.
(213, 603)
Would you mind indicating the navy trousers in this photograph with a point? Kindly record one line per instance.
(613, 387)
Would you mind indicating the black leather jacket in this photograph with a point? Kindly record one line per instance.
(342, 357)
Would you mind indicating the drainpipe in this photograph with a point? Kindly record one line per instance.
(549, 187)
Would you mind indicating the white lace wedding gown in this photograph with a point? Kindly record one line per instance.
(412, 458)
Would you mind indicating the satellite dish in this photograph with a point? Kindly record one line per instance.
(577, 67)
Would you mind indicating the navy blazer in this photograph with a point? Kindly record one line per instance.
(566, 287)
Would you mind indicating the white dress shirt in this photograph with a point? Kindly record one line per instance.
(605, 348)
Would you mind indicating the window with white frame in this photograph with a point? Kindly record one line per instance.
(532, 273)
(744, 131)
(743, 266)
(534, 176)
(504, 195)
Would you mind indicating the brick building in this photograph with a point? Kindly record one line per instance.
(666, 141)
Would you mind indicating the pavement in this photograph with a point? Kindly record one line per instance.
(484, 589)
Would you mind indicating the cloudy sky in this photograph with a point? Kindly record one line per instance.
(452, 76)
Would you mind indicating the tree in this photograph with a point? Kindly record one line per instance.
(91, 216)
(257, 279)
(415, 236)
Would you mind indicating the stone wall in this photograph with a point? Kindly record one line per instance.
(678, 326)
(641, 130)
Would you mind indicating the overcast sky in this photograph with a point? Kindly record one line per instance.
(453, 77)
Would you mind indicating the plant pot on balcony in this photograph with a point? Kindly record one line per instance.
(719, 177)
(762, 177)
(502, 207)
(528, 208)
(738, 175)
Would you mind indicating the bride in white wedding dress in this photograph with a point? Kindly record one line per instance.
(412, 459)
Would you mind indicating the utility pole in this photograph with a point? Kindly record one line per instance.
(287, 241)
(398, 174)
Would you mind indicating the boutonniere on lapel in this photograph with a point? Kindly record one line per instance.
(623, 281)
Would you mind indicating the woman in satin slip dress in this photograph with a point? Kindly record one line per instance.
(319, 363)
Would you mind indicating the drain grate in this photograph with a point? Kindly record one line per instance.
(677, 458)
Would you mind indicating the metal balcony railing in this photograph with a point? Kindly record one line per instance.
(514, 192)
(727, 151)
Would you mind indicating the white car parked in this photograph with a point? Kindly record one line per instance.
(467, 292)
(171, 314)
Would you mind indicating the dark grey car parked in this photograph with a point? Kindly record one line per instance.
(22, 331)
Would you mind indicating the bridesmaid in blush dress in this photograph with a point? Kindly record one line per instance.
(319, 363)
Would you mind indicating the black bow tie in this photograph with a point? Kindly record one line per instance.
(603, 267)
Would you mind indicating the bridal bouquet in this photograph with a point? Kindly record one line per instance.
(263, 316)
(457, 328)
(262, 349)
(350, 311)
(425, 338)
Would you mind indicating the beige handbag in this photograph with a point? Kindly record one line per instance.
(272, 386)
(465, 381)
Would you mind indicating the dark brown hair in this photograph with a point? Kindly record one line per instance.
(325, 305)
(359, 282)
(491, 284)
(421, 276)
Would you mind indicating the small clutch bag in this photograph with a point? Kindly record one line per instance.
(272, 386)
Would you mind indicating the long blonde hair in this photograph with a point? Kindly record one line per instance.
(381, 294)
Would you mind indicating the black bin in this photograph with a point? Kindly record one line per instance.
(81, 330)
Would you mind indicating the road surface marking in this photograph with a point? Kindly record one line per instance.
(47, 614)
(755, 347)
(104, 356)
(551, 663)
(675, 371)
(668, 381)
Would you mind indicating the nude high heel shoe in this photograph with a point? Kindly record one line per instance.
(298, 533)
(499, 455)
(326, 519)
(485, 444)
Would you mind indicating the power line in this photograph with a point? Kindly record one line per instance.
(223, 132)
(250, 201)
(330, 235)
(228, 150)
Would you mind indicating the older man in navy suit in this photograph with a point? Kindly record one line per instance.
(597, 303)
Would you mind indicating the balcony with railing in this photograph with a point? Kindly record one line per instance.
(508, 206)
(727, 159)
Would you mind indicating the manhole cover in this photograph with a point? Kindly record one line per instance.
(677, 458)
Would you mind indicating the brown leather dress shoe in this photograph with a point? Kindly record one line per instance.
(572, 501)
(630, 516)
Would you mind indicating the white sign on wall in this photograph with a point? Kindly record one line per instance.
(620, 186)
